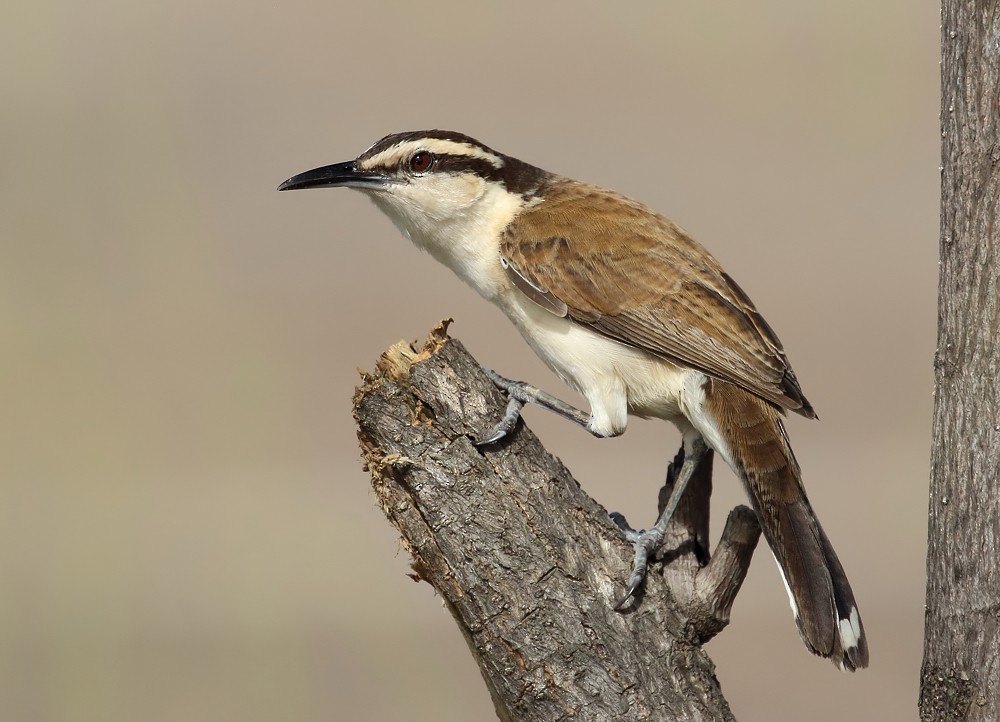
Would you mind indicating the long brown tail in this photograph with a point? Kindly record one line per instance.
(753, 441)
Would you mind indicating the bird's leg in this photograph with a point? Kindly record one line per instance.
(521, 393)
(646, 542)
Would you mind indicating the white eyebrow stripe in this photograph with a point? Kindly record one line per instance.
(438, 146)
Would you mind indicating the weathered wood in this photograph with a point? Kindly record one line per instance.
(960, 678)
(530, 566)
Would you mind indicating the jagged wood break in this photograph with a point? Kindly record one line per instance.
(529, 565)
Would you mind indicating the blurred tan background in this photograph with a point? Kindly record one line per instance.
(185, 530)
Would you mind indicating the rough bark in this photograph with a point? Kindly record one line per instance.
(530, 566)
(960, 678)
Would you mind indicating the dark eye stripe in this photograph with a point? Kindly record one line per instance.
(449, 163)
(516, 176)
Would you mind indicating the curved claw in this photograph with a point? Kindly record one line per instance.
(633, 587)
(505, 425)
(645, 542)
(493, 436)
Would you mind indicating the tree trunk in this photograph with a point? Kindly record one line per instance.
(530, 566)
(960, 678)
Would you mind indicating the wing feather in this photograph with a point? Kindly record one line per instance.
(634, 276)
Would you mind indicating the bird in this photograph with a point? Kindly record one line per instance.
(631, 312)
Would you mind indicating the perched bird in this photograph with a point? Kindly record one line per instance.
(631, 312)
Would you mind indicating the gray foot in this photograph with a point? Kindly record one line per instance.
(646, 542)
(519, 394)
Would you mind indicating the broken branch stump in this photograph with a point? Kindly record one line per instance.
(530, 566)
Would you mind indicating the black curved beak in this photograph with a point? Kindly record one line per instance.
(342, 175)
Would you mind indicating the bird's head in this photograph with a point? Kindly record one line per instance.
(431, 183)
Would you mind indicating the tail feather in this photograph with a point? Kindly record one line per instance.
(853, 646)
(748, 432)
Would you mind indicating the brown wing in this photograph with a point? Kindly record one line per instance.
(634, 276)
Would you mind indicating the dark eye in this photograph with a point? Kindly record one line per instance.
(421, 161)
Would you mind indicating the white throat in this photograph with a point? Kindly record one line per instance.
(459, 225)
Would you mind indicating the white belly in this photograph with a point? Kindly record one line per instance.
(615, 379)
